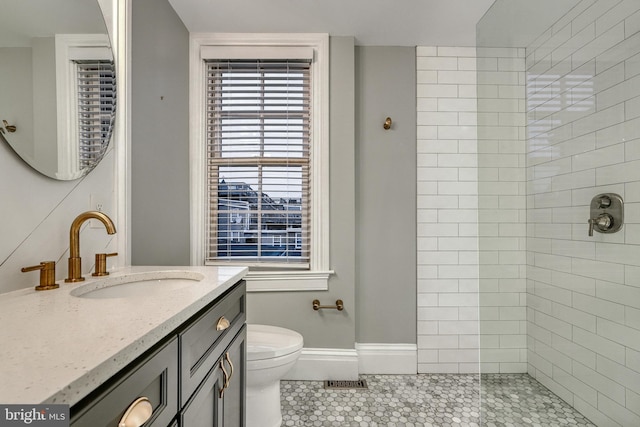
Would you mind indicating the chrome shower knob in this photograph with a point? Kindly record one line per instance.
(603, 223)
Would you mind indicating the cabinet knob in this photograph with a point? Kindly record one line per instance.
(222, 324)
(137, 413)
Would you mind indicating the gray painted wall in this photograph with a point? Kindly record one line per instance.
(386, 195)
(160, 182)
(328, 328)
(16, 87)
(45, 105)
(159, 136)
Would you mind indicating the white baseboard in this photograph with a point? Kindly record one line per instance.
(320, 364)
(387, 358)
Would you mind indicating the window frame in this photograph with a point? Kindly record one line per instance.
(68, 49)
(285, 278)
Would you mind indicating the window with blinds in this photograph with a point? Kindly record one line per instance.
(258, 134)
(96, 102)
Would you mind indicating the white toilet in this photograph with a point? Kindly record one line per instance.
(271, 353)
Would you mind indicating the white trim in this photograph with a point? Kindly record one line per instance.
(319, 259)
(272, 281)
(70, 47)
(320, 364)
(249, 52)
(197, 152)
(387, 358)
(121, 45)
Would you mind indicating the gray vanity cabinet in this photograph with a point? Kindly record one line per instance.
(204, 409)
(219, 400)
(155, 377)
(205, 340)
(194, 377)
(233, 404)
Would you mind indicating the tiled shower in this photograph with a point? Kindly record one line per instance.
(513, 144)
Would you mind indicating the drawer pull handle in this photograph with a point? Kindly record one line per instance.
(222, 324)
(231, 365)
(137, 413)
(226, 378)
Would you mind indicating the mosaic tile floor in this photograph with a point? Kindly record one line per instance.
(428, 401)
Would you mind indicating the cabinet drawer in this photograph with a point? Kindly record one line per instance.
(154, 377)
(202, 343)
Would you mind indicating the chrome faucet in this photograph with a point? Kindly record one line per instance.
(75, 262)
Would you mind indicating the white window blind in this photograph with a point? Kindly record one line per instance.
(96, 97)
(258, 161)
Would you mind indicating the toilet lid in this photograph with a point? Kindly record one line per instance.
(267, 342)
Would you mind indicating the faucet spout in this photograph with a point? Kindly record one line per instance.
(75, 262)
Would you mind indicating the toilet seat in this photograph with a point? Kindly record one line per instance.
(270, 342)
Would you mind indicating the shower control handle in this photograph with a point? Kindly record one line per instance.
(606, 213)
(604, 202)
(603, 222)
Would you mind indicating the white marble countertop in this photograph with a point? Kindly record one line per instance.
(56, 348)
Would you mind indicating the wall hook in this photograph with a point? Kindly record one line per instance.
(387, 123)
(10, 128)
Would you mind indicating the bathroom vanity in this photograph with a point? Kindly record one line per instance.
(179, 352)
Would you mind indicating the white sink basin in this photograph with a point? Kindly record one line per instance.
(137, 284)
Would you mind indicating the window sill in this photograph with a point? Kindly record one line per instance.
(278, 281)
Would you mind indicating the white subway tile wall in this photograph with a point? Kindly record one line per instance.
(448, 321)
(583, 293)
(502, 210)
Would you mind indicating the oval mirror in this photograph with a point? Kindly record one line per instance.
(57, 84)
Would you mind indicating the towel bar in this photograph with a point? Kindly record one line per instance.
(339, 305)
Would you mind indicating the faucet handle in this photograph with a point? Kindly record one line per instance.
(101, 264)
(47, 275)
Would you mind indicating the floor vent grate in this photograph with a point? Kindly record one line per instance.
(346, 384)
